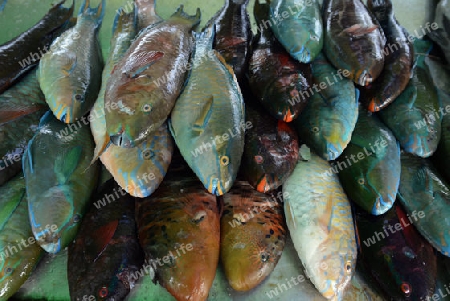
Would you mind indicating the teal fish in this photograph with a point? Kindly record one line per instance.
(210, 144)
(19, 253)
(370, 165)
(327, 123)
(319, 219)
(297, 24)
(422, 189)
(59, 180)
(70, 73)
(414, 116)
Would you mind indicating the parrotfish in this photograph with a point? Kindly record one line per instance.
(423, 190)
(59, 180)
(319, 218)
(297, 24)
(399, 57)
(70, 73)
(443, 278)
(354, 40)
(253, 234)
(105, 256)
(270, 151)
(399, 258)
(233, 35)
(441, 34)
(327, 123)
(179, 230)
(279, 81)
(21, 107)
(414, 116)
(19, 253)
(211, 144)
(363, 287)
(145, 84)
(140, 169)
(370, 165)
(146, 14)
(23, 53)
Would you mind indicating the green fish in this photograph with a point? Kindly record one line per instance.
(327, 123)
(19, 253)
(211, 144)
(319, 219)
(412, 117)
(441, 35)
(297, 24)
(70, 73)
(145, 84)
(370, 165)
(422, 188)
(59, 180)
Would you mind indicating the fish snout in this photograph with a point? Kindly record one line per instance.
(122, 140)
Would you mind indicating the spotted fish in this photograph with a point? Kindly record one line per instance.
(210, 144)
(253, 234)
(59, 180)
(19, 254)
(319, 219)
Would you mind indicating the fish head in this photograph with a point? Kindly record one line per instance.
(333, 272)
(53, 220)
(330, 135)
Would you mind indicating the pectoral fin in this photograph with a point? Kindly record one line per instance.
(68, 62)
(358, 30)
(65, 165)
(100, 238)
(138, 64)
(204, 116)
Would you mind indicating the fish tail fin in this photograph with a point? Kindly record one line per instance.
(204, 40)
(240, 2)
(123, 19)
(385, 5)
(94, 14)
(146, 13)
(181, 15)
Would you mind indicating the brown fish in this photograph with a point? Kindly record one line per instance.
(146, 14)
(179, 230)
(253, 235)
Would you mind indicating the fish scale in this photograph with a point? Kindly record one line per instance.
(319, 219)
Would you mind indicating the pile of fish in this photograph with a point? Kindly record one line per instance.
(188, 152)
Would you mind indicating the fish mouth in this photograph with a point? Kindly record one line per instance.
(333, 152)
(122, 140)
(215, 187)
(64, 114)
(52, 247)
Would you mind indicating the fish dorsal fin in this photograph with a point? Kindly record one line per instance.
(290, 214)
(145, 59)
(203, 116)
(101, 237)
(180, 16)
(66, 164)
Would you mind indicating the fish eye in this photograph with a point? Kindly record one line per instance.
(315, 129)
(146, 108)
(348, 267)
(259, 159)
(103, 292)
(264, 257)
(361, 181)
(224, 160)
(406, 289)
(9, 270)
(78, 97)
(314, 37)
(147, 154)
(76, 218)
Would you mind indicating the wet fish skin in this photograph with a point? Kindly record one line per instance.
(422, 188)
(300, 30)
(146, 14)
(398, 62)
(180, 224)
(403, 262)
(215, 165)
(160, 52)
(279, 81)
(37, 38)
(253, 234)
(59, 180)
(70, 74)
(138, 170)
(105, 256)
(372, 181)
(17, 260)
(441, 35)
(270, 151)
(233, 35)
(319, 219)
(409, 116)
(353, 39)
(329, 118)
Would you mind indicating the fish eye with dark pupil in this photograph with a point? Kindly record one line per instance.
(146, 108)
(264, 257)
(76, 218)
(8, 270)
(406, 289)
(78, 97)
(103, 292)
(224, 160)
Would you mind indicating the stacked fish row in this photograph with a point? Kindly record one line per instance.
(163, 80)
